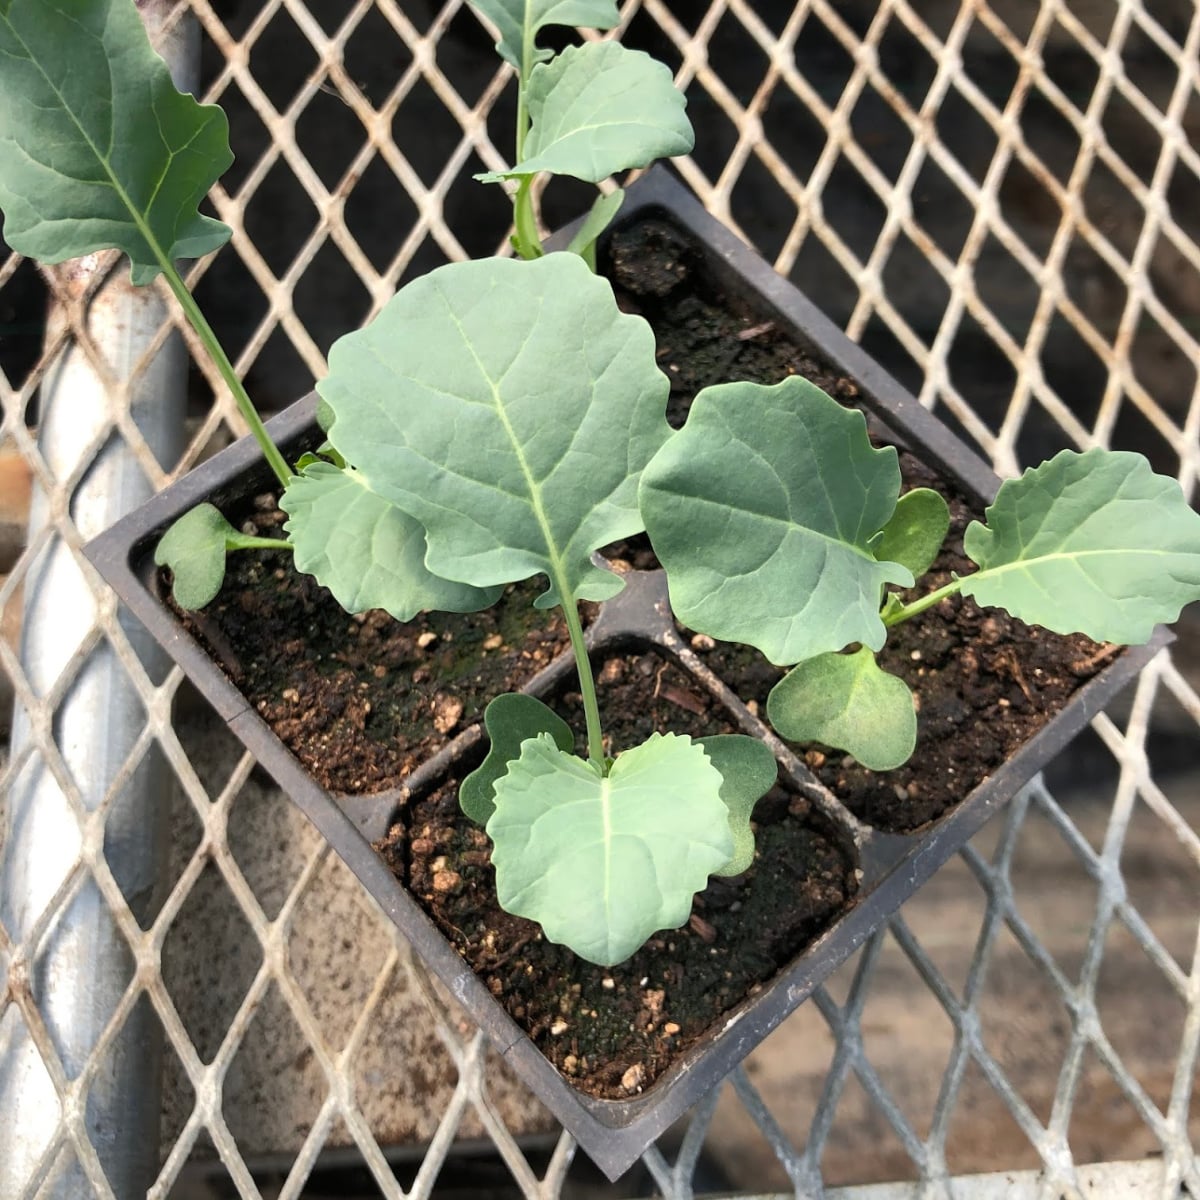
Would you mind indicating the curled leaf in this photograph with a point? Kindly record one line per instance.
(599, 217)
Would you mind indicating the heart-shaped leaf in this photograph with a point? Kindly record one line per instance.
(194, 549)
(916, 531)
(365, 550)
(510, 719)
(748, 771)
(598, 109)
(847, 701)
(97, 147)
(1094, 543)
(520, 20)
(601, 863)
(762, 509)
(509, 407)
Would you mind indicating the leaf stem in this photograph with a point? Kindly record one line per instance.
(587, 686)
(204, 331)
(905, 611)
(528, 51)
(245, 541)
(526, 241)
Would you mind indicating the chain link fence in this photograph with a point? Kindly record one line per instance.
(1001, 201)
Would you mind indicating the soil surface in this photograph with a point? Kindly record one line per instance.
(363, 700)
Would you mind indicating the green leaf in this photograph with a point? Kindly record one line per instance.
(599, 109)
(599, 217)
(520, 20)
(194, 549)
(748, 771)
(762, 509)
(603, 863)
(849, 702)
(916, 531)
(97, 148)
(1094, 543)
(324, 416)
(892, 604)
(324, 453)
(510, 719)
(365, 550)
(509, 407)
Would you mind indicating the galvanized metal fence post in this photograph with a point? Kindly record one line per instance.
(80, 968)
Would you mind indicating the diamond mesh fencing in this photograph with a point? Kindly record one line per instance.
(1001, 201)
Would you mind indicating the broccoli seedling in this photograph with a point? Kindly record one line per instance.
(779, 525)
(503, 419)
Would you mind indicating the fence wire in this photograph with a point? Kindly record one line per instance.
(1002, 202)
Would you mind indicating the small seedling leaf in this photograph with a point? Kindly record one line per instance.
(518, 20)
(324, 416)
(194, 549)
(324, 453)
(762, 508)
(509, 407)
(368, 552)
(97, 147)
(849, 702)
(1094, 543)
(916, 531)
(748, 771)
(510, 719)
(598, 109)
(601, 863)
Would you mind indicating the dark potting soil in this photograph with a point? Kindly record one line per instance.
(613, 1030)
(362, 700)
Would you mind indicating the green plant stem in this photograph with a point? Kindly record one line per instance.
(244, 541)
(919, 606)
(587, 687)
(527, 242)
(522, 116)
(204, 331)
(528, 54)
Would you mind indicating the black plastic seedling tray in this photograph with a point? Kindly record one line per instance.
(615, 1132)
